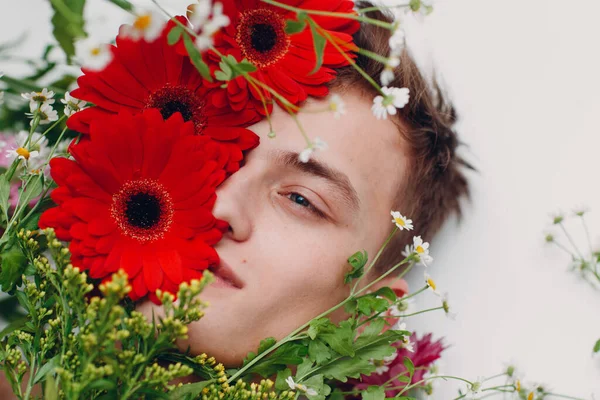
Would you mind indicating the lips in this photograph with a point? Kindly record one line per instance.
(224, 276)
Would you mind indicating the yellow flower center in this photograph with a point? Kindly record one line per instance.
(431, 283)
(399, 221)
(95, 51)
(420, 249)
(23, 153)
(142, 22)
(333, 106)
(518, 385)
(530, 396)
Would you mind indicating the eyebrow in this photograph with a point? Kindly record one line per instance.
(319, 169)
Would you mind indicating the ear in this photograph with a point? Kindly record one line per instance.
(399, 286)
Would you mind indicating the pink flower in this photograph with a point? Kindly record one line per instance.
(426, 352)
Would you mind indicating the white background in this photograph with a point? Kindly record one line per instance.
(524, 77)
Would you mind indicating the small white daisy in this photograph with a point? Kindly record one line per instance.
(446, 306)
(298, 386)
(401, 221)
(474, 390)
(148, 25)
(387, 75)
(431, 284)
(407, 344)
(397, 40)
(581, 211)
(210, 26)
(38, 99)
(337, 106)
(72, 105)
(421, 249)
(317, 145)
(392, 99)
(47, 115)
(92, 55)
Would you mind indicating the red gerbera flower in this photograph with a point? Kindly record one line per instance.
(284, 61)
(145, 75)
(138, 195)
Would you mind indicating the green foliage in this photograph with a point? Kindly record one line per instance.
(597, 346)
(374, 393)
(68, 24)
(12, 266)
(196, 57)
(357, 261)
(319, 42)
(296, 26)
(231, 68)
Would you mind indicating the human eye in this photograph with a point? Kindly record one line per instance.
(301, 201)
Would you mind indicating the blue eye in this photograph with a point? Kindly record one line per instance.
(305, 203)
(299, 199)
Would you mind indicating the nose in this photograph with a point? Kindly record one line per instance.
(234, 206)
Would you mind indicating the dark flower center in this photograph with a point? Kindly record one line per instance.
(143, 209)
(261, 36)
(178, 99)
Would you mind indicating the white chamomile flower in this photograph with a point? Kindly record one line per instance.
(92, 55)
(298, 386)
(446, 306)
(431, 284)
(47, 115)
(148, 25)
(407, 344)
(421, 249)
(401, 221)
(399, 326)
(391, 99)
(382, 366)
(397, 40)
(474, 390)
(387, 75)
(317, 145)
(38, 99)
(72, 105)
(209, 25)
(581, 211)
(337, 106)
(199, 13)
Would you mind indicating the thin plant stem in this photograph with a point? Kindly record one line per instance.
(387, 241)
(332, 14)
(422, 312)
(570, 239)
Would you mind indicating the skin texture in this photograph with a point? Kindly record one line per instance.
(291, 261)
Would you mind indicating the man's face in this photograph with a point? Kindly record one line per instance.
(294, 225)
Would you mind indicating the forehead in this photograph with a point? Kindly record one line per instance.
(369, 151)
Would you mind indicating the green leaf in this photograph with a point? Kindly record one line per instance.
(409, 365)
(347, 367)
(288, 354)
(264, 345)
(174, 35)
(280, 383)
(32, 190)
(319, 325)
(51, 390)
(293, 26)
(374, 393)
(597, 346)
(12, 265)
(46, 368)
(340, 339)
(357, 261)
(319, 42)
(193, 389)
(68, 23)
(316, 382)
(246, 66)
(386, 292)
(4, 195)
(304, 368)
(196, 58)
(319, 352)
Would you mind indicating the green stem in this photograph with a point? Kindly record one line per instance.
(494, 377)
(31, 375)
(570, 239)
(387, 241)
(332, 14)
(422, 312)
(124, 4)
(378, 8)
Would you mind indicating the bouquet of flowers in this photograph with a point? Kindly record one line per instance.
(114, 203)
